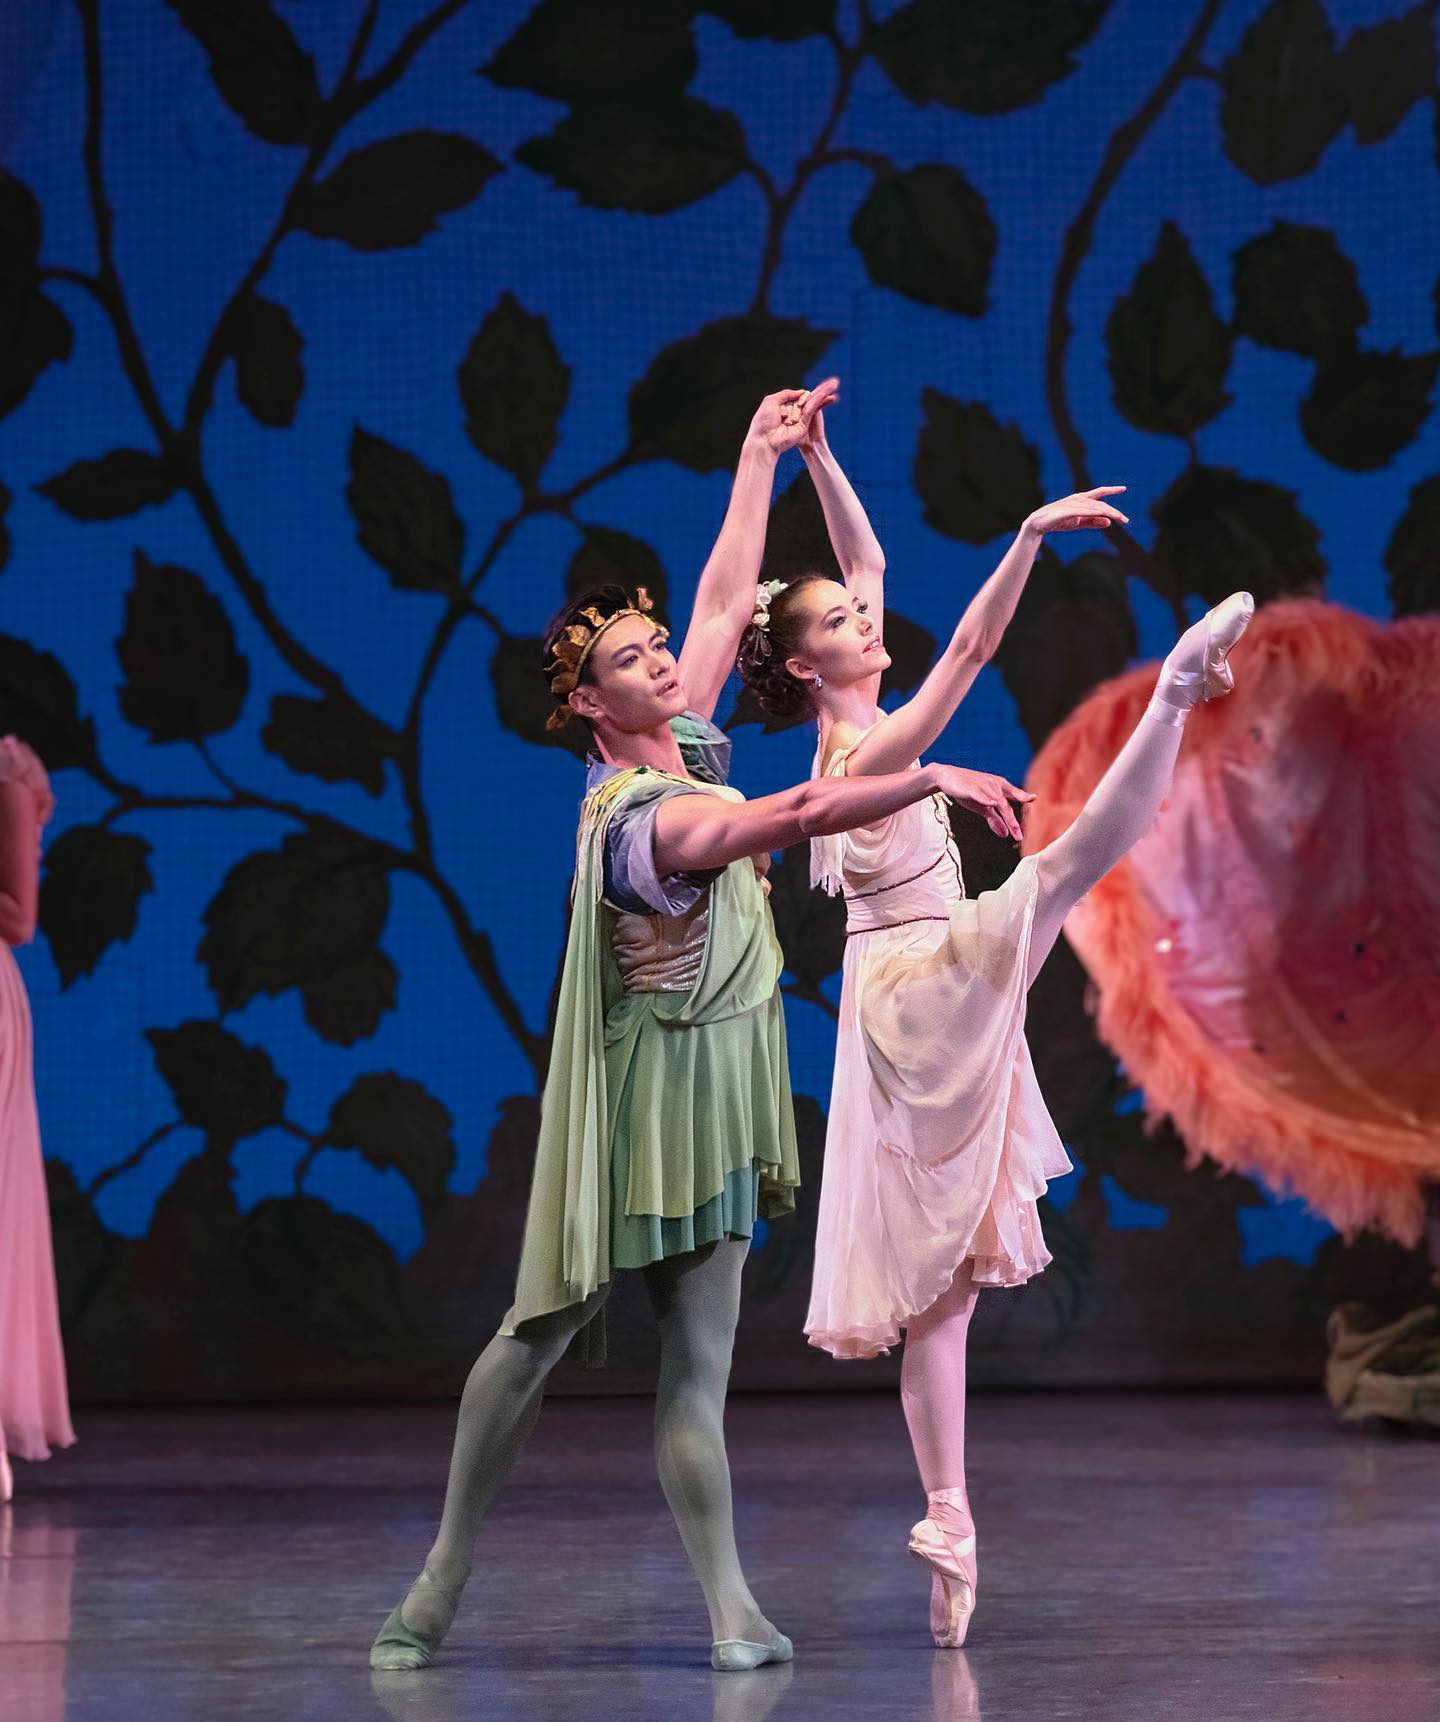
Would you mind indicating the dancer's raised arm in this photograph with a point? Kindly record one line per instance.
(904, 734)
(695, 833)
(852, 538)
(725, 597)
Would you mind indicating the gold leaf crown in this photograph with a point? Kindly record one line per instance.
(572, 649)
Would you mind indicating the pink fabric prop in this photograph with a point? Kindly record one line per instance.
(1266, 961)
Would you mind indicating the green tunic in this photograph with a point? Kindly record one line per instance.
(666, 1121)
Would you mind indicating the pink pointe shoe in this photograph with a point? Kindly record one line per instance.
(1196, 669)
(951, 1558)
(7, 1479)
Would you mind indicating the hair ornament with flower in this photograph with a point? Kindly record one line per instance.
(765, 594)
(574, 646)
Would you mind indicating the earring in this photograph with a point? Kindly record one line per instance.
(819, 683)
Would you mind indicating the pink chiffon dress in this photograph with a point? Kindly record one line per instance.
(34, 1407)
(939, 1142)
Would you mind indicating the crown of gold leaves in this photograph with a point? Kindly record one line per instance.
(574, 646)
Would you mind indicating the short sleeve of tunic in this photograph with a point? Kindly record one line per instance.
(632, 883)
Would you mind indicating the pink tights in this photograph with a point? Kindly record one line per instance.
(932, 1386)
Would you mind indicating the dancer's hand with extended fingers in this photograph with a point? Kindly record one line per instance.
(1077, 513)
(985, 794)
(783, 420)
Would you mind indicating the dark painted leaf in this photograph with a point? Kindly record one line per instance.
(810, 925)
(391, 193)
(912, 652)
(396, 1122)
(976, 477)
(38, 703)
(648, 156)
(797, 540)
(85, 1252)
(1386, 69)
(1412, 557)
(1297, 290)
(748, 710)
(608, 557)
(696, 400)
(34, 334)
(789, 1254)
(986, 861)
(117, 484)
(327, 739)
(21, 228)
(349, 1003)
(1222, 533)
(1282, 101)
(1169, 352)
(523, 701)
(5, 500)
(90, 896)
(258, 66)
(514, 386)
(266, 346)
(1363, 408)
(328, 1277)
(283, 918)
(1073, 630)
(220, 1085)
(184, 677)
(774, 20)
(405, 515)
(583, 51)
(981, 57)
(928, 234)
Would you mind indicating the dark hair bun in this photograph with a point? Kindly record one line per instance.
(776, 691)
(763, 653)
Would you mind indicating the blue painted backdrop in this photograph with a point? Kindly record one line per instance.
(338, 336)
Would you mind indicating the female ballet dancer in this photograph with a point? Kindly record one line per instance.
(939, 1142)
(34, 1408)
(670, 989)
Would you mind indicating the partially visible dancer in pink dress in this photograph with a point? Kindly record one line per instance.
(34, 1408)
(939, 1142)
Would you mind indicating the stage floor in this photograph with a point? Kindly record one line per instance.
(1142, 1558)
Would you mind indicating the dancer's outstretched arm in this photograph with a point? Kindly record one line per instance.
(852, 538)
(695, 833)
(725, 597)
(904, 734)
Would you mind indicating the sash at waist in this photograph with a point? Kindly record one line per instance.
(929, 895)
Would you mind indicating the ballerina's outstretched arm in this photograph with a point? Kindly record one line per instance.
(852, 538)
(904, 734)
(725, 597)
(695, 833)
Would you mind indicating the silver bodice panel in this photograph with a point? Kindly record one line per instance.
(662, 953)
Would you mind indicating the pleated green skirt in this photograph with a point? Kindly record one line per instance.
(702, 1130)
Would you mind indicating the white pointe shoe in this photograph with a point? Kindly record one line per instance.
(952, 1596)
(735, 1655)
(1197, 669)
